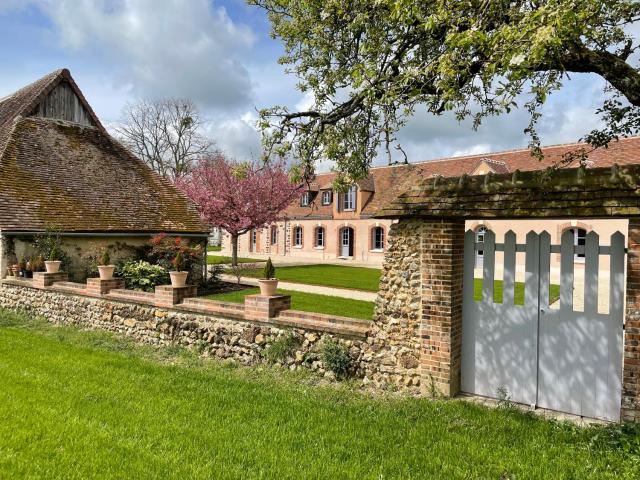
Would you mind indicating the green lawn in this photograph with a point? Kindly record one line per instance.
(328, 275)
(222, 259)
(309, 302)
(518, 293)
(87, 405)
(369, 278)
(214, 248)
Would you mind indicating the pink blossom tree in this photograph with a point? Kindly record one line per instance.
(238, 197)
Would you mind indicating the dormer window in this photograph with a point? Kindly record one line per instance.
(349, 200)
(305, 199)
(326, 197)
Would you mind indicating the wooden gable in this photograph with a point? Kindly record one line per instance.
(62, 103)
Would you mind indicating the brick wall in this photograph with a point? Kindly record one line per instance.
(631, 367)
(442, 248)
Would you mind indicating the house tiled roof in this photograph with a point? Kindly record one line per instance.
(391, 181)
(74, 178)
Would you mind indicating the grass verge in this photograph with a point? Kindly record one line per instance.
(223, 260)
(340, 276)
(518, 292)
(308, 302)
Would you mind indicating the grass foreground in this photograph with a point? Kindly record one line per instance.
(308, 302)
(81, 405)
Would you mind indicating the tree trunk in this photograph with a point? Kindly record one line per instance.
(234, 249)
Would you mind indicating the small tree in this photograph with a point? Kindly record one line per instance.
(238, 197)
(269, 271)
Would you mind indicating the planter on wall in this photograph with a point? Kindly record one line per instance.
(106, 271)
(52, 266)
(268, 286)
(178, 279)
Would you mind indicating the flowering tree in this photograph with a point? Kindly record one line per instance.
(238, 197)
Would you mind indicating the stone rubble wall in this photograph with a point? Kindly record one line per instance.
(395, 338)
(215, 336)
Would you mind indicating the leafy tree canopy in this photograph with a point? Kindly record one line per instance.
(370, 63)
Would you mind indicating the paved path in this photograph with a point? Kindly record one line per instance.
(303, 287)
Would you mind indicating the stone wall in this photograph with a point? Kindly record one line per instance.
(216, 336)
(395, 337)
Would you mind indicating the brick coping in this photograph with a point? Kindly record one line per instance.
(344, 326)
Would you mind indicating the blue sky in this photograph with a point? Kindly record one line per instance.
(219, 54)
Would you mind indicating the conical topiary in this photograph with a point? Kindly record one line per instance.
(269, 270)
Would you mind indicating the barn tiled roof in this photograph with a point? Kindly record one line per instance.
(391, 181)
(56, 174)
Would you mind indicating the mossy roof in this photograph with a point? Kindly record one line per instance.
(560, 193)
(61, 175)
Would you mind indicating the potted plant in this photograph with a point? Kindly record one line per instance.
(52, 263)
(178, 274)
(269, 283)
(22, 266)
(15, 268)
(105, 269)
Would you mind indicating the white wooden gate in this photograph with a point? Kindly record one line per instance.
(555, 358)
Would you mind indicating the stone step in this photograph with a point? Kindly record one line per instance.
(131, 295)
(212, 307)
(325, 318)
(342, 329)
(70, 285)
(205, 302)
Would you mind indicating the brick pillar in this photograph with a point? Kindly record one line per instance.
(631, 366)
(259, 307)
(441, 326)
(44, 279)
(167, 295)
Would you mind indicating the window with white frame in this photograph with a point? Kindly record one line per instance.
(319, 237)
(304, 199)
(377, 238)
(274, 235)
(326, 197)
(349, 199)
(297, 236)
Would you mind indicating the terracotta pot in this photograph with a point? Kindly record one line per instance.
(52, 266)
(178, 279)
(16, 270)
(106, 271)
(268, 286)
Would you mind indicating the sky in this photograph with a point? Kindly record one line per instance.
(220, 55)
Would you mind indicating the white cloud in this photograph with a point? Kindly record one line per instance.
(167, 48)
(237, 136)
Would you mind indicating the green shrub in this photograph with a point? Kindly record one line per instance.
(141, 275)
(281, 348)
(337, 359)
(105, 258)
